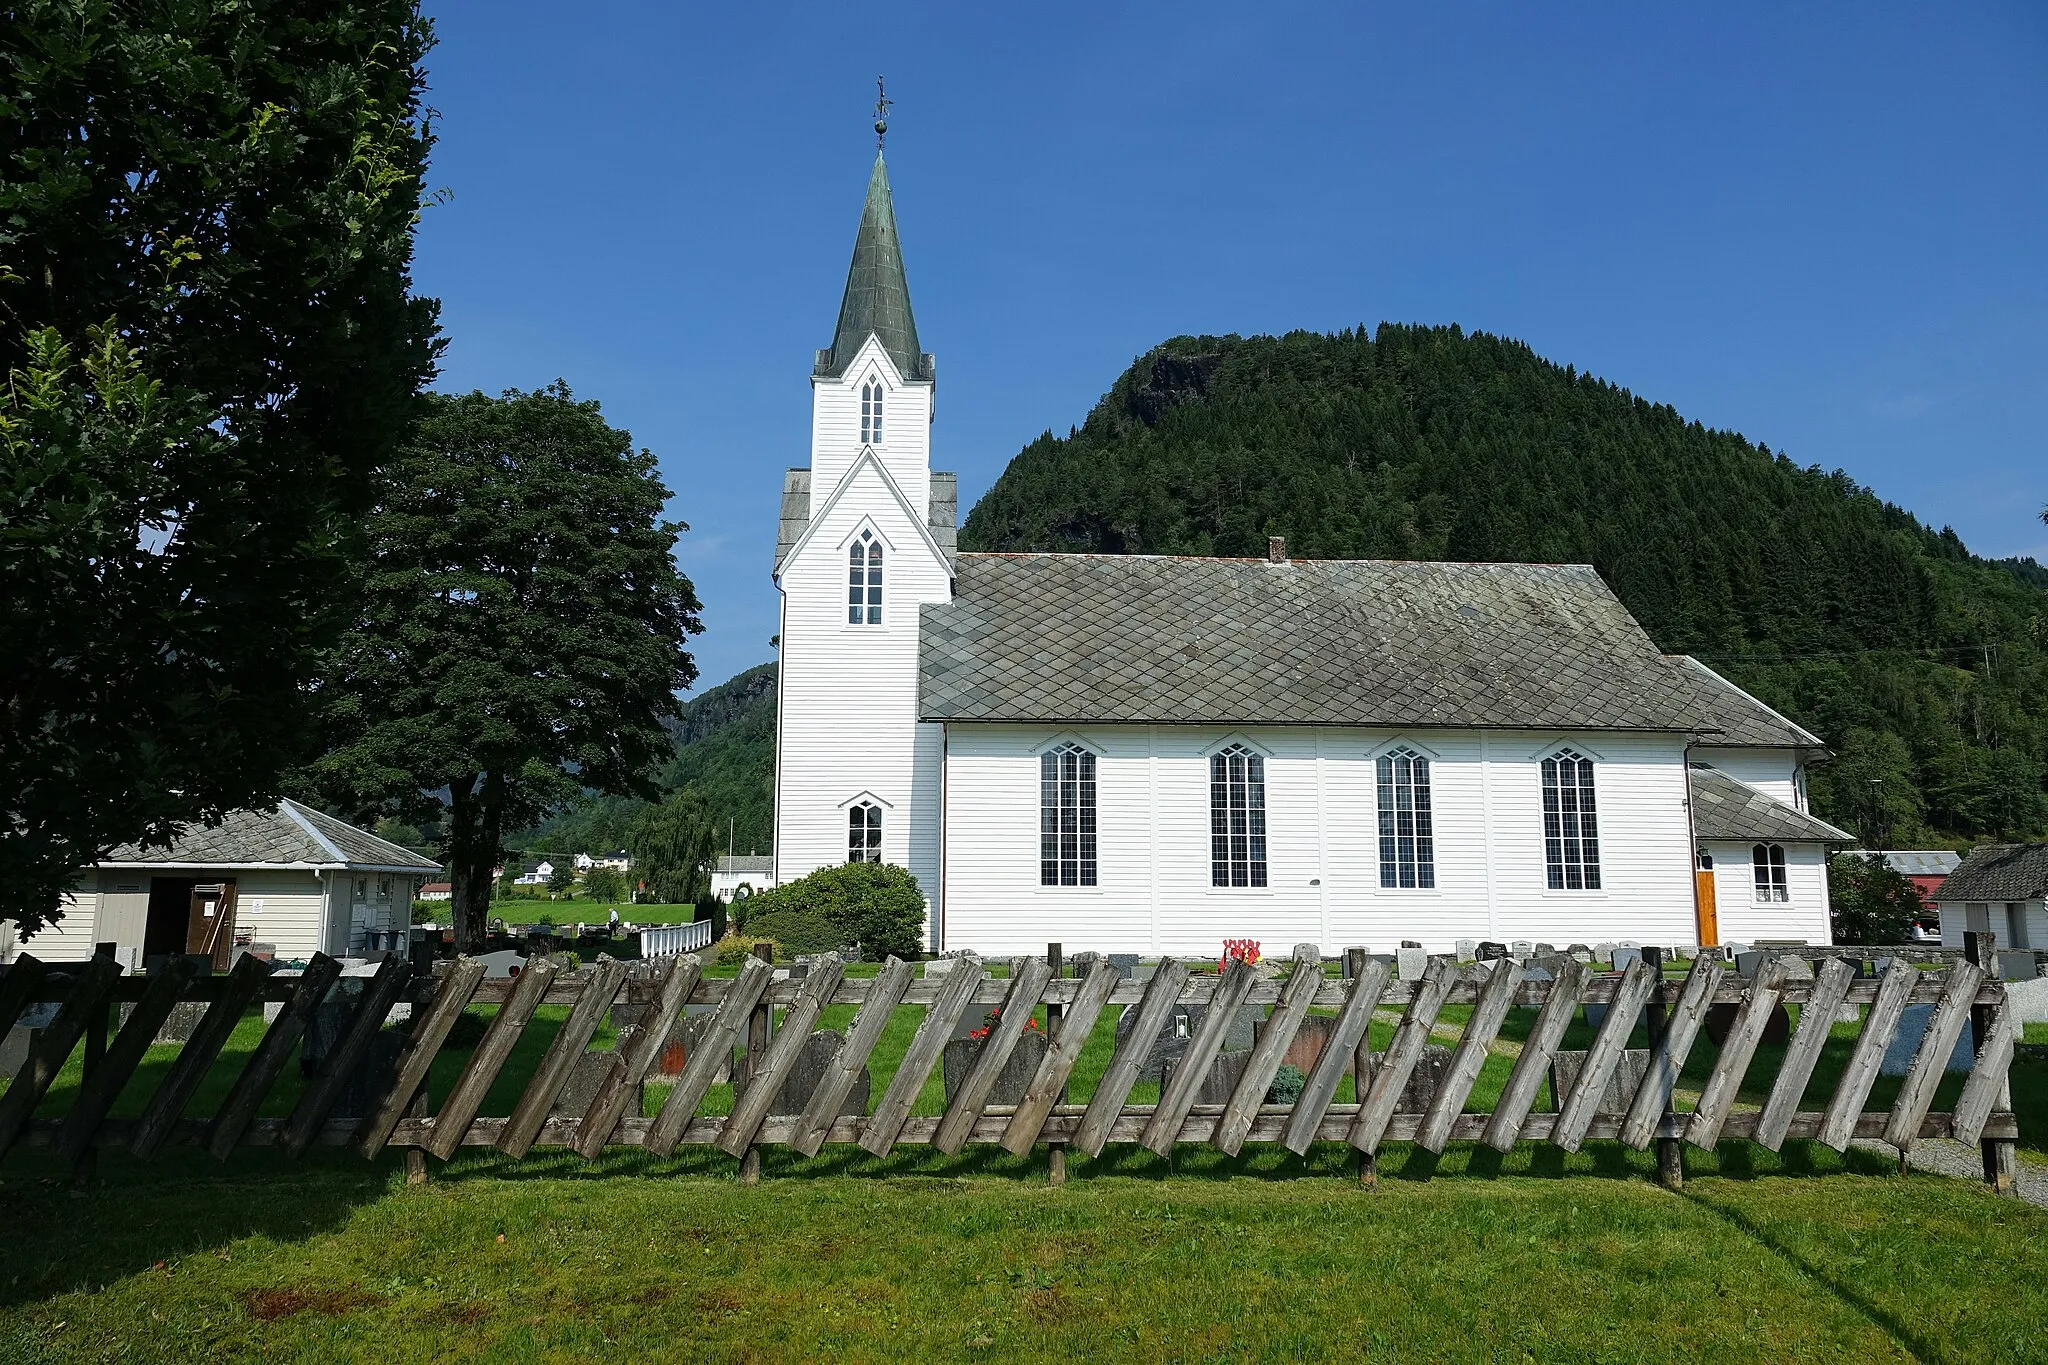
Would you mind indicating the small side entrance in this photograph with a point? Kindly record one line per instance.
(187, 915)
(1707, 917)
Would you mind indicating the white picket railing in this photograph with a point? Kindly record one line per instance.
(672, 940)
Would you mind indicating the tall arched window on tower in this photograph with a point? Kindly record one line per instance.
(1066, 817)
(1237, 818)
(1571, 825)
(864, 833)
(871, 413)
(864, 581)
(1407, 834)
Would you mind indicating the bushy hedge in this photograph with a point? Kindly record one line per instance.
(876, 905)
(795, 931)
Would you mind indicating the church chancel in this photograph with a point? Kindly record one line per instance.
(1154, 753)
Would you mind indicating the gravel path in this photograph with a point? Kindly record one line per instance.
(1943, 1156)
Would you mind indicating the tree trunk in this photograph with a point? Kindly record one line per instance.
(476, 810)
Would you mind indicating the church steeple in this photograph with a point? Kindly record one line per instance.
(877, 297)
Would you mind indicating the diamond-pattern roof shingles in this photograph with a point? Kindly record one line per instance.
(1741, 719)
(1724, 808)
(1998, 872)
(273, 838)
(1164, 639)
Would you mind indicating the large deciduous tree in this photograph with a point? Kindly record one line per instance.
(523, 630)
(210, 340)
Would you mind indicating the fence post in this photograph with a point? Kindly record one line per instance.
(1361, 1071)
(757, 1048)
(83, 1169)
(1670, 1154)
(416, 1155)
(1055, 1015)
(2000, 1154)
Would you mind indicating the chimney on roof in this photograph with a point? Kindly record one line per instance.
(1276, 549)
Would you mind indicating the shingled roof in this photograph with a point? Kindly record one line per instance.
(1998, 872)
(1741, 720)
(1164, 639)
(877, 298)
(1723, 808)
(290, 835)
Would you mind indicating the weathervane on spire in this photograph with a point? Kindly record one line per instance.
(882, 103)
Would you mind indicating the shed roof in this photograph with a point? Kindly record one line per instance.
(288, 835)
(745, 864)
(1723, 808)
(1171, 639)
(1998, 872)
(1920, 862)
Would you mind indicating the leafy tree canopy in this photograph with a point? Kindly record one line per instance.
(206, 320)
(1868, 902)
(877, 905)
(523, 629)
(673, 846)
(1924, 665)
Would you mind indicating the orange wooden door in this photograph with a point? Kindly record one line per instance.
(1703, 907)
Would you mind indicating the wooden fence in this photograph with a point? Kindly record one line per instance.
(1674, 1010)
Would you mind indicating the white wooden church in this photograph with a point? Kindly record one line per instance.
(1155, 753)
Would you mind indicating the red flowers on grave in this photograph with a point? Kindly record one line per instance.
(1244, 950)
(994, 1016)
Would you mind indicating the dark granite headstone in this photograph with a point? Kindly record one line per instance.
(806, 1069)
(1720, 1022)
(1170, 1044)
(584, 1078)
(1224, 1073)
(1011, 1083)
(329, 1021)
(1490, 951)
(1621, 1086)
(372, 1078)
(1126, 964)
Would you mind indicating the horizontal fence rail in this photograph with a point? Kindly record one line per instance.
(736, 1015)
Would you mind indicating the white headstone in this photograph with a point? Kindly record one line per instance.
(1468, 948)
(1410, 963)
(1625, 957)
(1521, 947)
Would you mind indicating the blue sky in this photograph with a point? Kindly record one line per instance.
(1823, 226)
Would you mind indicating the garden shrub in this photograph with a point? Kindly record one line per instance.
(876, 905)
(795, 931)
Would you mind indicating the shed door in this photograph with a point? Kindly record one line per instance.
(1706, 915)
(211, 928)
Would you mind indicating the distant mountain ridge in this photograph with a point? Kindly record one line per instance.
(1922, 664)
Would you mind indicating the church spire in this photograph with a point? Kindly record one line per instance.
(877, 300)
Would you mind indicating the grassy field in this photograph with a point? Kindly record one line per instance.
(1531, 1256)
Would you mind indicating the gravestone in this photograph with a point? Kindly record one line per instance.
(1424, 1080)
(329, 1021)
(502, 964)
(1224, 1073)
(1621, 1086)
(1083, 963)
(178, 1026)
(1579, 952)
(1011, 1082)
(372, 1078)
(1126, 965)
(946, 966)
(2017, 964)
(1468, 949)
(1170, 1044)
(806, 1070)
(1898, 1057)
(1521, 947)
(1625, 957)
(1410, 963)
(1603, 953)
(1720, 1021)
(1306, 1048)
(584, 1077)
(2029, 1001)
(1546, 950)
(1489, 951)
(14, 1048)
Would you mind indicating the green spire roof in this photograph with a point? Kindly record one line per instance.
(877, 294)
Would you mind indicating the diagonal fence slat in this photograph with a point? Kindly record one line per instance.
(1986, 1089)
(1274, 1040)
(1667, 1058)
(1718, 1098)
(430, 1029)
(1052, 1074)
(1816, 1022)
(338, 1066)
(1177, 1096)
(1496, 994)
(1353, 1022)
(1861, 1073)
(197, 1057)
(98, 1091)
(1369, 1125)
(1154, 1008)
(1518, 1097)
(1930, 1062)
(751, 1108)
(247, 1094)
(994, 1054)
(630, 1064)
(430, 1034)
(1575, 1113)
(926, 1046)
(712, 1053)
(45, 1059)
(869, 1024)
(598, 989)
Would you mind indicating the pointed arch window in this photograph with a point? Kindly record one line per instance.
(864, 833)
(871, 413)
(1066, 817)
(1407, 832)
(1237, 818)
(864, 581)
(1571, 823)
(1767, 862)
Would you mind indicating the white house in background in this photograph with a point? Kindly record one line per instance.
(743, 875)
(291, 876)
(541, 872)
(1155, 753)
(1999, 888)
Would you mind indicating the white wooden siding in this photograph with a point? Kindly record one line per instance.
(1322, 844)
(1997, 917)
(1771, 771)
(71, 938)
(906, 428)
(1744, 919)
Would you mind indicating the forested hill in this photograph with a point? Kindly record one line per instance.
(1922, 664)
